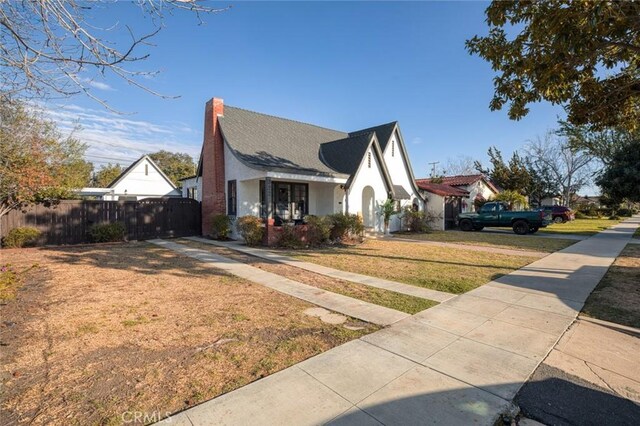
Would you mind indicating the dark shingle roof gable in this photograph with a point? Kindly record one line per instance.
(383, 133)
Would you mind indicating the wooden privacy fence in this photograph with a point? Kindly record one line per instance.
(69, 221)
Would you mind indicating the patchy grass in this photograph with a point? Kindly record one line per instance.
(637, 233)
(507, 241)
(98, 331)
(11, 278)
(579, 227)
(439, 268)
(617, 296)
(378, 296)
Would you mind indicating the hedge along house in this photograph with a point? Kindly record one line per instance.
(281, 170)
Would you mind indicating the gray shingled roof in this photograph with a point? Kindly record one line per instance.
(400, 193)
(267, 142)
(383, 132)
(345, 155)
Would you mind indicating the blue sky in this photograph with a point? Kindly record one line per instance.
(342, 65)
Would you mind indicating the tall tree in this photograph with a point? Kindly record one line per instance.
(36, 162)
(51, 47)
(513, 175)
(569, 167)
(107, 174)
(601, 144)
(582, 55)
(176, 165)
(620, 178)
(461, 165)
(542, 184)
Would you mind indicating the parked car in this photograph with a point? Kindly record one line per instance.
(560, 214)
(497, 214)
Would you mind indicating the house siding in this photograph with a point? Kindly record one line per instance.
(373, 177)
(398, 168)
(143, 185)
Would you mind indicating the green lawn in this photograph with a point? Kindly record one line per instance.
(438, 268)
(579, 227)
(637, 233)
(507, 241)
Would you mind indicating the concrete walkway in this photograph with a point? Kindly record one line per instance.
(411, 290)
(461, 362)
(355, 308)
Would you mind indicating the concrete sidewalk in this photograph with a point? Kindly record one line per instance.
(411, 290)
(461, 362)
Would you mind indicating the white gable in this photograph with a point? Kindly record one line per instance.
(143, 180)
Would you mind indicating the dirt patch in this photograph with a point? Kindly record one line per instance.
(96, 333)
(389, 299)
(617, 296)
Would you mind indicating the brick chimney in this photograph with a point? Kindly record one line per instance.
(213, 182)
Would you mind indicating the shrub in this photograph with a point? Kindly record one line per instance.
(21, 237)
(288, 237)
(414, 221)
(580, 215)
(614, 217)
(318, 229)
(344, 225)
(107, 232)
(220, 226)
(625, 212)
(250, 227)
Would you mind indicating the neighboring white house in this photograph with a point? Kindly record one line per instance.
(449, 195)
(275, 168)
(192, 187)
(142, 179)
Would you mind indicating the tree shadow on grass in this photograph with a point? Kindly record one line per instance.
(140, 257)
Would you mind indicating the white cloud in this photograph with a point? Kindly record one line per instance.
(97, 84)
(113, 138)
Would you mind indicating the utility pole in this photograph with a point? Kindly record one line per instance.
(433, 168)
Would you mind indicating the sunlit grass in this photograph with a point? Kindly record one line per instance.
(579, 227)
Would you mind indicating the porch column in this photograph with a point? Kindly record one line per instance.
(268, 197)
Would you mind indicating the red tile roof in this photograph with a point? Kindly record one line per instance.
(463, 180)
(441, 189)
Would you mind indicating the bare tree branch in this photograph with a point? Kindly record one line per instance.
(49, 47)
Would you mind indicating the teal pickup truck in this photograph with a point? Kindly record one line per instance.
(497, 214)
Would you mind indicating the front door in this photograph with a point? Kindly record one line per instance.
(452, 207)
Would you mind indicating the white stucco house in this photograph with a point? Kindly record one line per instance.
(276, 168)
(142, 179)
(449, 195)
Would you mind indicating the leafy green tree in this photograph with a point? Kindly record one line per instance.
(510, 176)
(582, 55)
(107, 174)
(513, 198)
(620, 179)
(175, 165)
(36, 162)
(542, 184)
